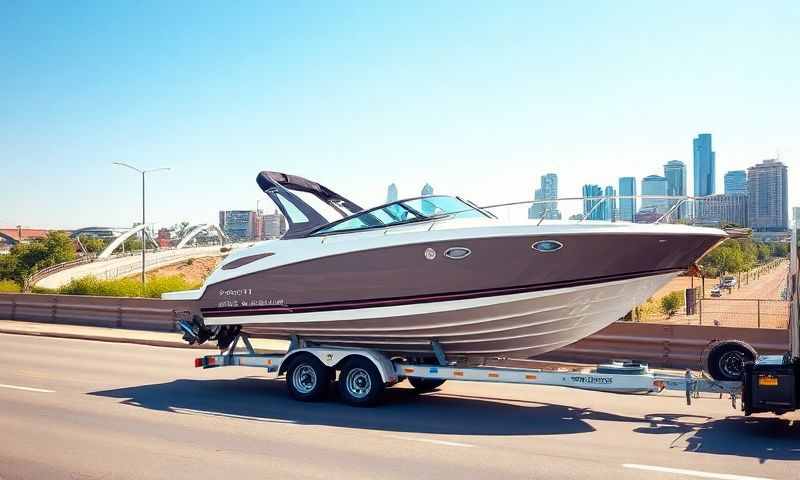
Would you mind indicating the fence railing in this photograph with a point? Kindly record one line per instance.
(728, 312)
(56, 268)
(678, 346)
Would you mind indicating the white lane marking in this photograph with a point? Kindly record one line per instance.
(430, 440)
(691, 473)
(232, 415)
(27, 389)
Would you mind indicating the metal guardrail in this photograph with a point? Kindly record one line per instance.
(114, 312)
(676, 346)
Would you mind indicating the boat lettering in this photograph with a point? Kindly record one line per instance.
(235, 293)
(269, 302)
(596, 380)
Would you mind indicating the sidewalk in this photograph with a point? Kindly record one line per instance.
(118, 335)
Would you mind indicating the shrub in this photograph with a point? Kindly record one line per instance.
(671, 302)
(9, 286)
(126, 287)
(157, 285)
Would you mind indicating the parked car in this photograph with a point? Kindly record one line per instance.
(728, 282)
(716, 291)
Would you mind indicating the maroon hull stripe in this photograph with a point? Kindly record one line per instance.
(387, 302)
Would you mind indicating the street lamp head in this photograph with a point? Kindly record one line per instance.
(122, 164)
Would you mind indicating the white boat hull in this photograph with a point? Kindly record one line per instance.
(513, 325)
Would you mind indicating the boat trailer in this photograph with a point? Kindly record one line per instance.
(364, 373)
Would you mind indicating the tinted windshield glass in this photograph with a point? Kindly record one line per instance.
(430, 206)
(403, 212)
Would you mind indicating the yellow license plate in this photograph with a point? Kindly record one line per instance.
(767, 381)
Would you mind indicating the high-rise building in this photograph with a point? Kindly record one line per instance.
(427, 207)
(729, 208)
(609, 207)
(767, 184)
(548, 191)
(704, 166)
(240, 224)
(654, 185)
(274, 225)
(391, 193)
(675, 173)
(736, 181)
(591, 211)
(627, 206)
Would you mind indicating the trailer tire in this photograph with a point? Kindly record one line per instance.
(725, 360)
(422, 385)
(307, 379)
(360, 383)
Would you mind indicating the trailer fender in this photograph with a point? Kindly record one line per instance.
(333, 357)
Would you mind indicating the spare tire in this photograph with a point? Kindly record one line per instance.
(725, 360)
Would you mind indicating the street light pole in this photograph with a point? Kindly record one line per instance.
(144, 225)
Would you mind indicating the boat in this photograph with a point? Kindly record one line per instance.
(417, 275)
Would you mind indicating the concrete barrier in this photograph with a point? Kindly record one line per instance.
(669, 346)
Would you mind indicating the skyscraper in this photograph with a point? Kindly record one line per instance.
(736, 181)
(427, 206)
(768, 207)
(589, 210)
(609, 207)
(548, 191)
(391, 193)
(627, 206)
(654, 185)
(704, 170)
(728, 208)
(675, 173)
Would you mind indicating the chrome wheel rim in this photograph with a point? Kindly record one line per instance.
(732, 364)
(358, 383)
(304, 379)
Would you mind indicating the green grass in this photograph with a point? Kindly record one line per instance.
(9, 286)
(126, 287)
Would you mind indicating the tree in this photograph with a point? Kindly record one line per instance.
(25, 259)
(132, 244)
(780, 249)
(730, 257)
(764, 253)
(179, 230)
(92, 244)
(671, 302)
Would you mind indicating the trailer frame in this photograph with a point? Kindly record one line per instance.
(618, 376)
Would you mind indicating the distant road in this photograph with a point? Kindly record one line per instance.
(81, 409)
(123, 266)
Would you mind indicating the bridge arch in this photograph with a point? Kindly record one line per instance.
(8, 238)
(197, 229)
(121, 239)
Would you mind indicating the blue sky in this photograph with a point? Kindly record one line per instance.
(477, 98)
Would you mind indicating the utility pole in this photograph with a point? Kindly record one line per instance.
(144, 225)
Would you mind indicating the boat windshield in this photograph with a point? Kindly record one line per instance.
(402, 212)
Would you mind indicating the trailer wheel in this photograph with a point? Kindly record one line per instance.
(307, 379)
(724, 361)
(360, 383)
(422, 385)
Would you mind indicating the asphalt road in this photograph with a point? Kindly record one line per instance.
(83, 410)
